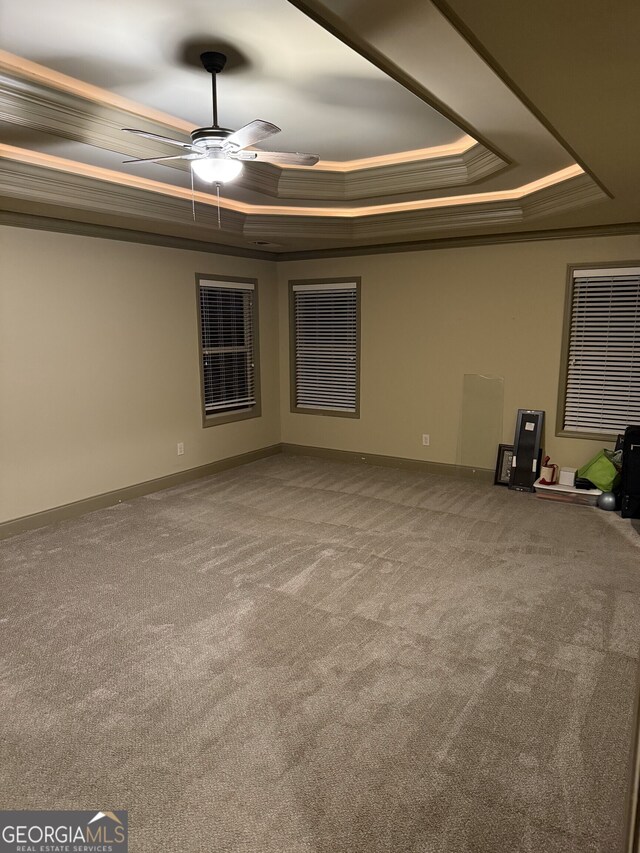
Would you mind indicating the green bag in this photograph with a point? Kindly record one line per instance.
(601, 471)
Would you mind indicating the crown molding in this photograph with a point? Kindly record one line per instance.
(389, 226)
(42, 108)
(39, 160)
(35, 222)
(573, 193)
(393, 179)
(620, 229)
(68, 115)
(109, 232)
(570, 195)
(39, 185)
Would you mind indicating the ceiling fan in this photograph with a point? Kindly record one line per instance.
(216, 154)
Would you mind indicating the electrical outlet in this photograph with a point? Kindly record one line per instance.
(425, 440)
(181, 448)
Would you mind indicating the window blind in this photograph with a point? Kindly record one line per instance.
(603, 373)
(227, 338)
(326, 346)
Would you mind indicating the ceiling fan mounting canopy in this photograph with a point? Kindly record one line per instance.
(221, 146)
(213, 61)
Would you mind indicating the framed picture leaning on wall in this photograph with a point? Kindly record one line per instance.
(503, 465)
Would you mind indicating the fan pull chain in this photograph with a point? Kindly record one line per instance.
(218, 195)
(193, 198)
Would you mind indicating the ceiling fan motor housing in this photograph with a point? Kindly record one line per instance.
(205, 137)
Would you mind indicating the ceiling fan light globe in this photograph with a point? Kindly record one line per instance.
(216, 170)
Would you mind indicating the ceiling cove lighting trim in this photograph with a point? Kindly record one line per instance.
(49, 161)
(24, 68)
(28, 70)
(453, 149)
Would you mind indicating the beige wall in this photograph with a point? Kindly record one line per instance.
(428, 318)
(99, 375)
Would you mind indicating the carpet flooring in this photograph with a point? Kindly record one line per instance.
(302, 656)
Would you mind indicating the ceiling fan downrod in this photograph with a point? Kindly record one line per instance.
(213, 62)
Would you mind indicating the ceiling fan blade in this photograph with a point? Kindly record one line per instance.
(251, 133)
(160, 159)
(158, 138)
(284, 158)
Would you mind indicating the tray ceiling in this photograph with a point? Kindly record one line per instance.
(420, 132)
(288, 70)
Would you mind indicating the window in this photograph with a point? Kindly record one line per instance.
(228, 323)
(325, 346)
(600, 383)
